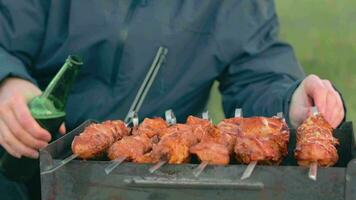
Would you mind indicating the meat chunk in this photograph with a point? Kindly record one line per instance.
(211, 152)
(174, 145)
(130, 147)
(140, 142)
(259, 139)
(151, 127)
(215, 146)
(97, 138)
(315, 142)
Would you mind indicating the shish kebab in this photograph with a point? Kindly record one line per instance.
(133, 147)
(215, 146)
(135, 106)
(258, 139)
(315, 144)
(173, 147)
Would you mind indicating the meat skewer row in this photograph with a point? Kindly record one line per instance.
(316, 144)
(215, 146)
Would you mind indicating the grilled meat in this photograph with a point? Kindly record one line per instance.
(173, 146)
(258, 138)
(215, 146)
(315, 142)
(140, 142)
(130, 147)
(211, 152)
(151, 127)
(97, 138)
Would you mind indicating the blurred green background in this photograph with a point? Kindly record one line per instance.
(323, 34)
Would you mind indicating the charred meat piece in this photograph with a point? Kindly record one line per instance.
(211, 152)
(174, 145)
(140, 142)
(200, 126)
(259, 139)
(215, 147)
(315, 142)
(130, 147)
(151, 127)
(97, 138)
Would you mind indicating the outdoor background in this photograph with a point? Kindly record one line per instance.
(323, 34)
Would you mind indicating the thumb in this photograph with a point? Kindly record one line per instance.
(62, 129)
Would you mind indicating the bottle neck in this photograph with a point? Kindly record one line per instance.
(53, 100)
(58, 88)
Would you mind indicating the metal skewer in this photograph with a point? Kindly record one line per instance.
(251, 166)
(157, 166)
(171, 119)
(140, 97)
(238, 112)
(133, 116)
(313, 168)
(197, 171)
(62, 163)
(147, 82)
(249, 169)
(137, 103)
(313, 171)
(114, 164)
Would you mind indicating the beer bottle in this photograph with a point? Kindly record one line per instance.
(48, 110)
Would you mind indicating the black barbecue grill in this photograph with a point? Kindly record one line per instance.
(87, 180)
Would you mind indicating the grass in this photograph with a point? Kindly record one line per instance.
(323, 34)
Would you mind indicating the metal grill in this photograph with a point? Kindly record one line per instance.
(87, 179)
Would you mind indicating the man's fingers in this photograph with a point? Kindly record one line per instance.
(330, 113)
(315, 88)
(9, 118)
(62, 129)
(14, 146)
(335, 109)
(23, 115)
(6, 146)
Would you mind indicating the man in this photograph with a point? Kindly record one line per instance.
(234, 42)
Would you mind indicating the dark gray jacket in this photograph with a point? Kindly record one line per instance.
(232, 41)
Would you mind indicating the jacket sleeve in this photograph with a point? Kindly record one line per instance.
(22, 26)
(262, 72)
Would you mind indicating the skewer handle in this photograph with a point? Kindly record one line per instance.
(280, 115)
(197, 171)
(147, 82)
(248, 171)
(132, 118)
(114, 164)
(205, 115)
(315, 110)
(313, 171)
(157, 166)
(170, 117)
(61, 164)
(238, 112)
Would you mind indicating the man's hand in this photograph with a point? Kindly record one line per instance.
(20, 134)
(320, 93)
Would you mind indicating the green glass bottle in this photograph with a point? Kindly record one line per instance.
(49, 111)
